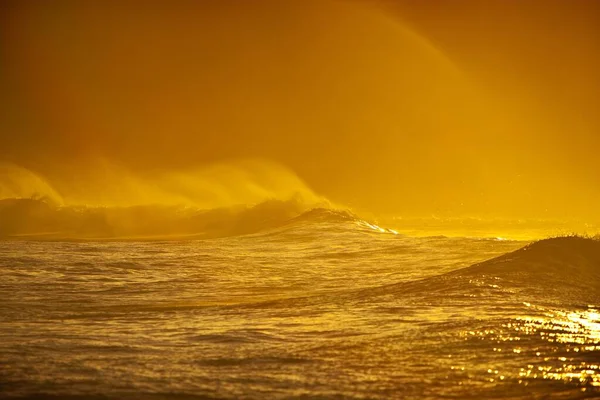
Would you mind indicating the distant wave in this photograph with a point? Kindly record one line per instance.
(106, 201)
(35, 218)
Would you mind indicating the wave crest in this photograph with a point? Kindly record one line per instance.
(40, 219)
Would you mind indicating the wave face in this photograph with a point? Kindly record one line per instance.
(563, 269)
(556, 271)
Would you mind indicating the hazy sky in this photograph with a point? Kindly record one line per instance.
(403, 107)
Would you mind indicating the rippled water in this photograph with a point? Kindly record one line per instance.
(314, 309)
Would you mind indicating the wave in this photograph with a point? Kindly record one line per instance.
(569, 257)
(39, 219)
(557, 269)
(103, 200)
(106, 201)
(560, 270)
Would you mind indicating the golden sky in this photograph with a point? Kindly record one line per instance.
(398, 107)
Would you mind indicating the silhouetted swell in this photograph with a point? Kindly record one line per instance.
(562, 270)
(39, 219)
(570, 258)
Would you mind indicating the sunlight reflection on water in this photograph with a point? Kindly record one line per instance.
(556, 344)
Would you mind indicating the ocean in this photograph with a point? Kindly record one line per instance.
(323, 306)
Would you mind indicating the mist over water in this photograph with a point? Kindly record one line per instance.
(101, 183)
(369, 109)
(20, 183)
(106, 201)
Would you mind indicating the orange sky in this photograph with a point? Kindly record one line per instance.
(396, 107)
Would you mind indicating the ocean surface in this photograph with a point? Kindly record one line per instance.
(323, 306)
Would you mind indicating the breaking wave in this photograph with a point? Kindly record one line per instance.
(32, 217)
(106, 201)
(103, 200)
